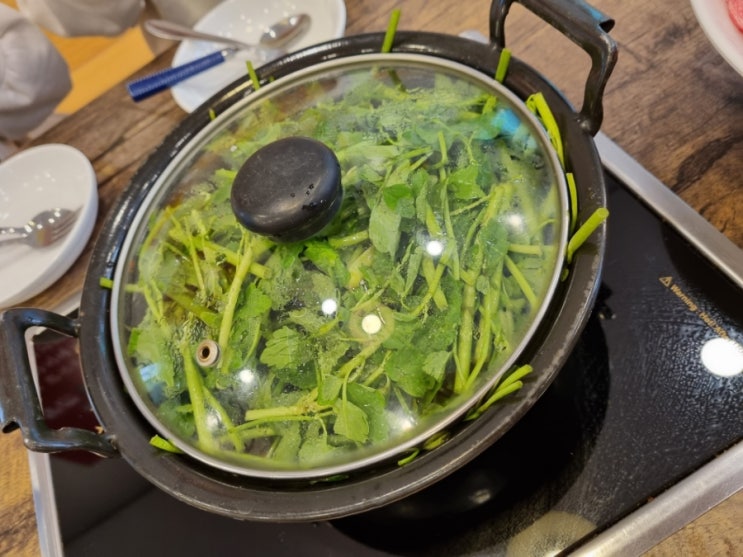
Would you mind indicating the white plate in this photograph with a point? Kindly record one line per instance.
(715, 20)
(39, 178)
(246, 20)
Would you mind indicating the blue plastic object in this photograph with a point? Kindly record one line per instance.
(149, 85)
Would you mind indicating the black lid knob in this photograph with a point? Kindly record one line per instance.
(288, 190)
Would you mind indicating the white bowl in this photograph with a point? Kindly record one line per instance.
(246, 20)
(39, 178)
(715, 21)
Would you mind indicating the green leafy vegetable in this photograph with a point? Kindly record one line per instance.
(503, 61)
(359, 339)
(389, 36)
(164, 444)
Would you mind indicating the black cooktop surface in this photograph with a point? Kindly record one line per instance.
(646, 398)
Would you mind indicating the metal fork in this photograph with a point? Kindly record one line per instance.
(42, 230)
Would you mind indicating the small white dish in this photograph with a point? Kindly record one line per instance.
(246, 20)
(715, 21)
(39, 178)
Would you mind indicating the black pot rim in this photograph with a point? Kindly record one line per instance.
(248, 498)
(457, 411)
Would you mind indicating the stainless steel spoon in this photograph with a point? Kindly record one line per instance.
(279, 35)
(42, 230)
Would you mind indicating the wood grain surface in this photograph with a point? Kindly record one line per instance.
(673, 104)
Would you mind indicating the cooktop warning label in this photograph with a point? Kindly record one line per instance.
(669, 283)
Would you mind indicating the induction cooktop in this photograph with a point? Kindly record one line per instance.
(641, 431)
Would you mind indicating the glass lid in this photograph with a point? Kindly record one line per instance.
(278, 354)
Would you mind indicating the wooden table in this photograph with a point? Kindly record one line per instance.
(672, 103)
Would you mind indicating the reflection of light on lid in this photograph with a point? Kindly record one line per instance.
(400, 421)
(435, 248)
(371, 324)
(515, 221)
(248, 382)
(149, 372)
(247, 376)
(212, 421)
(329, 306)
(723, 357)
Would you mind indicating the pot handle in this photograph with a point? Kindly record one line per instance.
(20, 406)
(585, 26)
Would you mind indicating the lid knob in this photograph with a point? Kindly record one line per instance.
(288, 190)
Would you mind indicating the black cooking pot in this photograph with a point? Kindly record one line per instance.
(223, 490)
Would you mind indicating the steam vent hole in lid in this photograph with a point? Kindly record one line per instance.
(288, 190)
